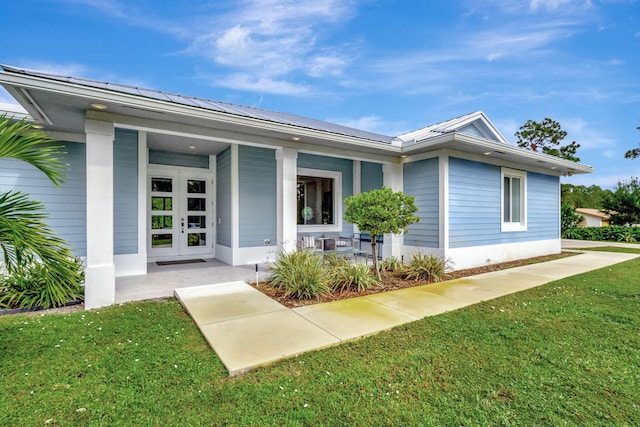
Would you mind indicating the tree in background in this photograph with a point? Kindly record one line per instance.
(580, 196)
(633, 153)
(546, 137)
(568, 218)
(379, 212)
(40, 270)
(623, 204)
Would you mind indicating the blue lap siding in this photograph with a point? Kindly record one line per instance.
(125, 188)
(66, 205)
(474, 206)
(223, 198)
(258, 196)
(421, 180)
(371, 176)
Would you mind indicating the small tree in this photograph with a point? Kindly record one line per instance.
(546, 137)
(380, 212)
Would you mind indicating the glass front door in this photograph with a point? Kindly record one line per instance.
(180, 215)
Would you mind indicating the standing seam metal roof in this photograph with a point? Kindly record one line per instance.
(223, 107)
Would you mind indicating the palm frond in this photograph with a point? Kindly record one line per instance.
(23, 232)
(18, 140)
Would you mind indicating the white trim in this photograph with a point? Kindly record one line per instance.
(443, 200)
(476, 256)
(357, 185)
(286, 165)
(337, 200)
(514, 226)
(143, 161)
(254, 255)
(213, 170)
(100, 275)
(235, 201)
(130, 264)
(393, 178)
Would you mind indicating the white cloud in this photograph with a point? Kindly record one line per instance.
(262, 84)
(552, 5)
(275, 40)
(585, 134)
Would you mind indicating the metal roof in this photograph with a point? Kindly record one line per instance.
(207, 104)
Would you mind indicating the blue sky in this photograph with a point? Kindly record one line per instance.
(384, 66)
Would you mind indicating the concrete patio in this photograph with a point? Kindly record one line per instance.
(248, 329)
(162, 281)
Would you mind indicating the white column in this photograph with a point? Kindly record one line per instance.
(357, 185)
(392, 178)
(100, 279)
(287, 161)
(235, 203)
(443, 185)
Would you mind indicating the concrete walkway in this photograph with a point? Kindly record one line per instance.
(247, 329)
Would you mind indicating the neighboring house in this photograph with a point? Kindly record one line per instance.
(158, 176)
(592, 217)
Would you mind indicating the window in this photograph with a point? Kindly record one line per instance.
(319, 200)
(514, 200)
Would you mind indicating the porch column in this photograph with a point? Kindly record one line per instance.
(100, 278)
(392, 178)
(287, 163)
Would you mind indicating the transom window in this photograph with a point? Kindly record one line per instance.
(514, 200)
(319, 200)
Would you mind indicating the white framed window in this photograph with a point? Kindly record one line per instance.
(514, 200)
(319, 200)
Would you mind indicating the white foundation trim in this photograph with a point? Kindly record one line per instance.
(131, 264)
(255, 255)
(224, 254)
(476, 256)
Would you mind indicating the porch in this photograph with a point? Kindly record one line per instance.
(162, 280)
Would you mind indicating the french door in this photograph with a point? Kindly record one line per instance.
(180, 214)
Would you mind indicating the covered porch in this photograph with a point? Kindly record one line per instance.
(162, 280)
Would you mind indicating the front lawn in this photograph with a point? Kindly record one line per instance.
(566, 353)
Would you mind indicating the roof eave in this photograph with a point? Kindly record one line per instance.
(555, 165)
(131, 100)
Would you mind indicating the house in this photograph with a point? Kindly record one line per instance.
(592, 217)
(159, 176)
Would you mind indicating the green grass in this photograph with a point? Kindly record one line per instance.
(626, 250)
(566, 353)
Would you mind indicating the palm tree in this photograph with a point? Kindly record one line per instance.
(39, 265)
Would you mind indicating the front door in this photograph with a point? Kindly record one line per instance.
(180, 215)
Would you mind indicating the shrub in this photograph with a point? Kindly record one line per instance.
(35, 284)
(356, 277)
(300, 274)
(391, 264)
(426, 267)
(612, 233)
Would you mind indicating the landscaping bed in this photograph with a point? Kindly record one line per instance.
(393, 281)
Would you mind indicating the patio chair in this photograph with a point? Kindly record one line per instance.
(335, 241)
(309, 242)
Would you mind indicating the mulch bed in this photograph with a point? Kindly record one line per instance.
(391, 282)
